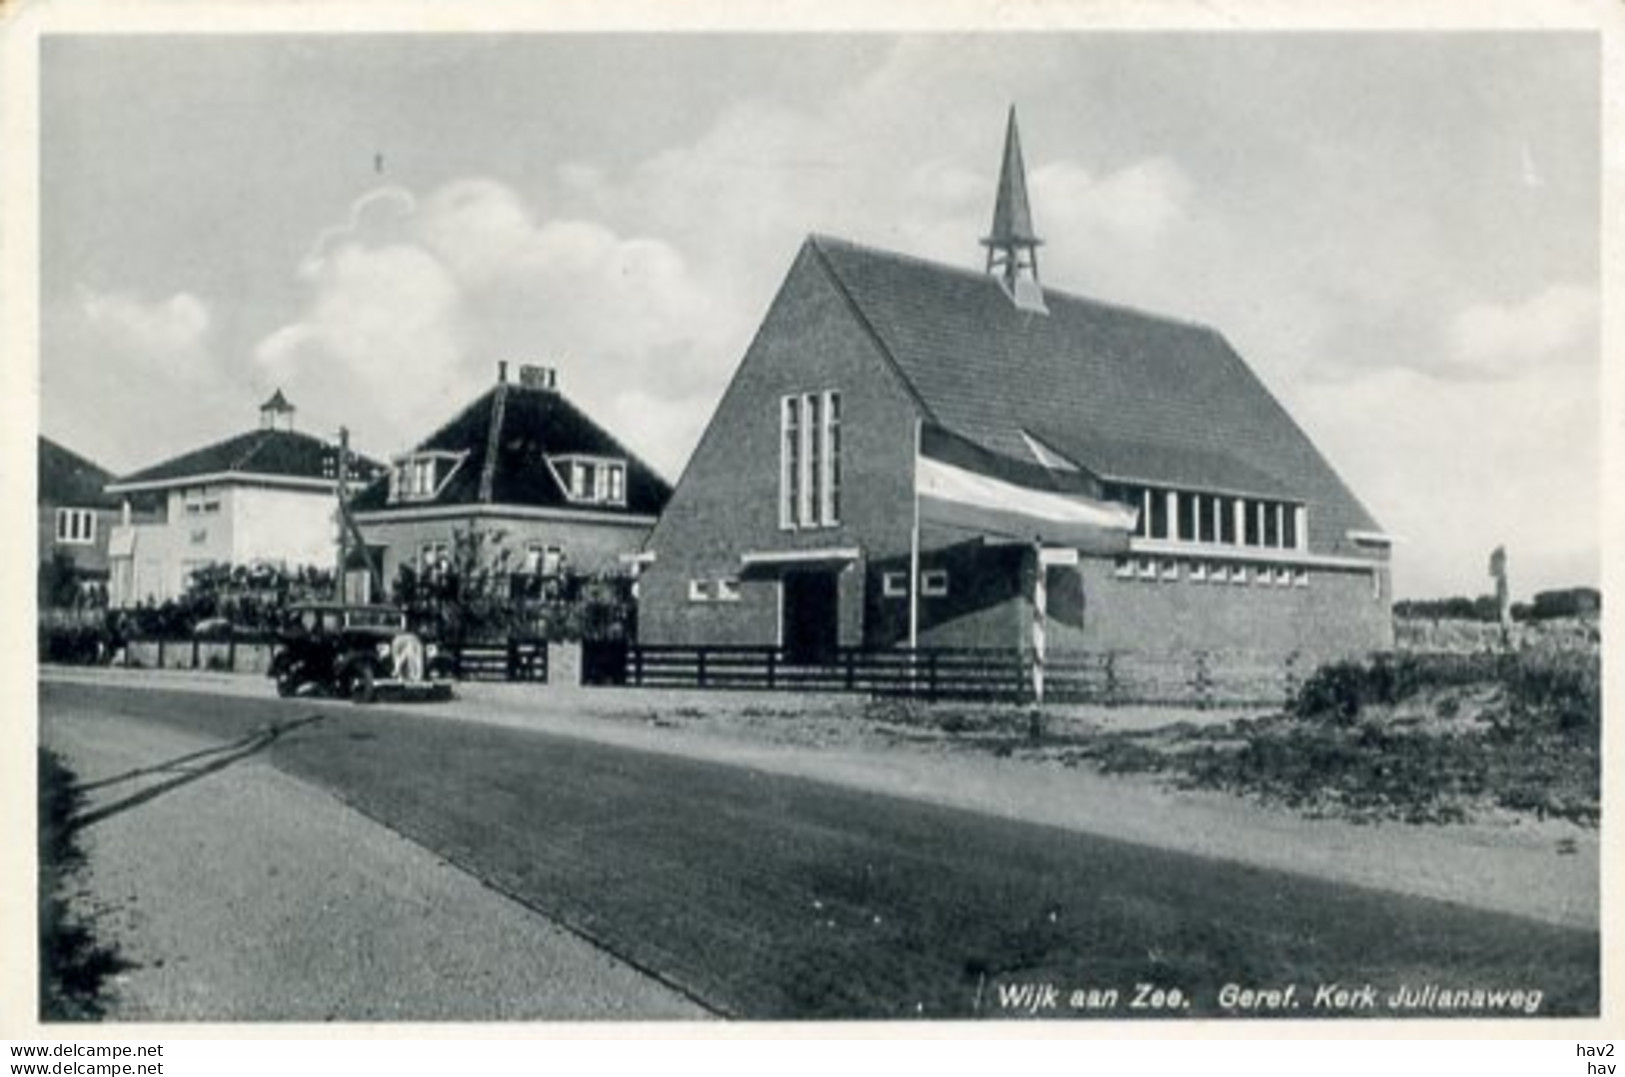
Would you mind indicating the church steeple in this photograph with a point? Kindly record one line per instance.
(1012, 245)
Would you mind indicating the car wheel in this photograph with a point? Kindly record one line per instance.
(287, 683)
(363, 689)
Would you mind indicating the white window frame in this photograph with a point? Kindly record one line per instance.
(1238, 574)
(1198, 572)
(934, 583)
(894, 584)
(829, 462)
(419, 476)
(1300, 577)
(432, 554)
(809, 460)
(1147, 568)
(789, 460)
(1218, 572)
(699, 590)
(590, 480)
(1168, 570)
(1124, 568)
(75, 527)
(727, 589)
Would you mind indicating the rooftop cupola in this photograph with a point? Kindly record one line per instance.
(276, 413)
(1012, 245)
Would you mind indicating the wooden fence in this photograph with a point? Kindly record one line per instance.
(515, 660)
(1195, 678)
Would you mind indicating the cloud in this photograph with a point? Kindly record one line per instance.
(380, 331)
(413, 301)
(373, 210)
(1558, 324)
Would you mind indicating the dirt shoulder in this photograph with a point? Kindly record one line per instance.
(1545, 870)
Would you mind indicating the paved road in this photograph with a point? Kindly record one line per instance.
(771, 897)
(234, 892)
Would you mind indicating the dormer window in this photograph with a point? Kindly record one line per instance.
(421, 475)
(591, 480)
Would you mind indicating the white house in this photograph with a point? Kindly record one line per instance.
(267, 496)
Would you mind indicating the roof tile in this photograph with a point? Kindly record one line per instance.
(1127, 395)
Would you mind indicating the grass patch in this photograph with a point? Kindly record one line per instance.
(73, 966)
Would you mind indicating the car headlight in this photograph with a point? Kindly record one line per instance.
(383, 650)
(431, 650)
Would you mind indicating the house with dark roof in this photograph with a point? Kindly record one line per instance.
(794, 523)
(265, 496)
(76, 515)
(523, 466)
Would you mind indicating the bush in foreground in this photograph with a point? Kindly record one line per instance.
(1418, 738)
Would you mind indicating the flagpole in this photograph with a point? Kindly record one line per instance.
(914, 552)
(1040, 612)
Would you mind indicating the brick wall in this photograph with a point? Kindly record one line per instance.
(1337, 613)
(727, 501)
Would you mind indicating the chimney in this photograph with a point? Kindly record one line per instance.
(538, 377)
(502, 371)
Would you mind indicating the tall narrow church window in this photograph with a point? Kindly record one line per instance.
(830, 511)
(813, 424)
(810, 460)
(1227, 520)
(789, 460)
(1208, 525)
(1159, 515)
(1187, 517)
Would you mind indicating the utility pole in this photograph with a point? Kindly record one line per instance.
(344, 513)
(350, 536)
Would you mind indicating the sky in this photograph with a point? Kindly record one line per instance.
(1399, 232)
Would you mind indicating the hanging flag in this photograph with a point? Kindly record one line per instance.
(961, 484)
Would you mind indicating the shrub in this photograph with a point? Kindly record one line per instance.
(1555, 690)
(73, 644)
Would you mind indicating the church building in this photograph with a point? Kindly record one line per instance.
(1202, 516)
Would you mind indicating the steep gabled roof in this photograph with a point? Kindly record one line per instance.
(261, 454)
(66, 478)
(504, 439)
(1126, 395)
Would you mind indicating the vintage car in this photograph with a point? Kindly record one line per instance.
(356, 652)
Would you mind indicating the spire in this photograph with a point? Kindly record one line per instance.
(1012, 246)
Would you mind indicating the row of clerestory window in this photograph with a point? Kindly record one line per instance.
(1214, 519)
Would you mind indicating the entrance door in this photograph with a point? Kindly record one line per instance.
(809, 631)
